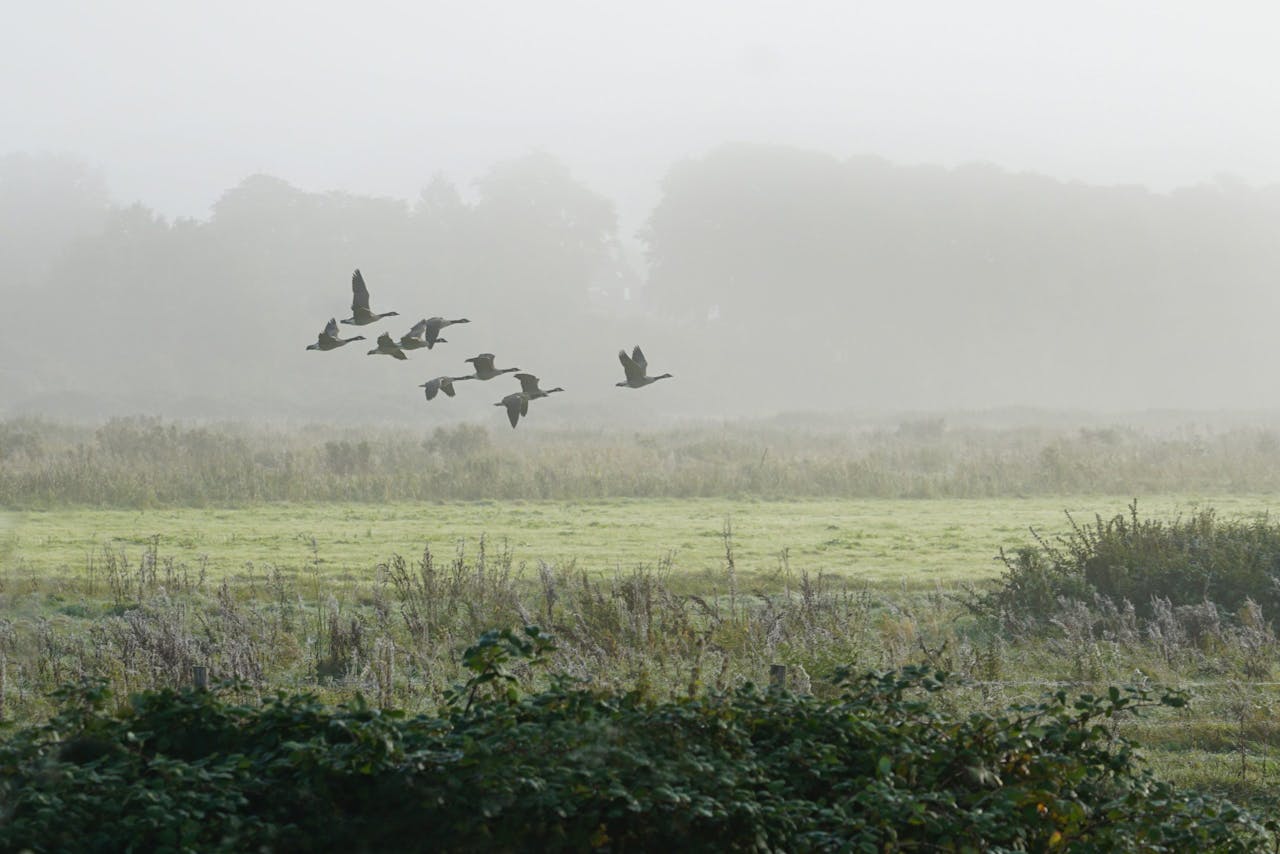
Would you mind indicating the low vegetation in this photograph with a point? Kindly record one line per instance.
(141, 462)
(881, 765)
(1146, 565)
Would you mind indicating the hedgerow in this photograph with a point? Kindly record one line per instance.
(877, 767)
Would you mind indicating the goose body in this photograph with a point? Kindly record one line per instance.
(636, 368)
(517, 404)
(440, 384)
(360, 313)
(431, 333)
(484, 369)
(388, 347)
(329, 340)
(529, 387)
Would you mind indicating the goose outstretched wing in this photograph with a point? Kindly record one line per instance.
(529, 384)
(359, 293)
(440, 384)
(634, 371)
(516, 405)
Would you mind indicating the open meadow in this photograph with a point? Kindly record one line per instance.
(912, 544)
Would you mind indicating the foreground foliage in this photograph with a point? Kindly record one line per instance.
(880, 766)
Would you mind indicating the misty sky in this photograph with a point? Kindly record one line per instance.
(177, 103)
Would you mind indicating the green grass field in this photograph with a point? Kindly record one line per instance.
(916, 543)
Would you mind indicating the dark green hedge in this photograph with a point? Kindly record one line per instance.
(880, 768)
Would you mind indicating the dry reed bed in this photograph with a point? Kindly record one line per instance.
(140, 462)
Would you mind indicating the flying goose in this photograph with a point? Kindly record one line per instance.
(517, 404)
(433, 327)
(329, 340)
(440, 384)
(360, 313)
(388, 347)
(529, 387)
(636, 367)
(484, 367)
(413, 339)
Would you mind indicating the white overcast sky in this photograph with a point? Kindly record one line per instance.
(178, 101)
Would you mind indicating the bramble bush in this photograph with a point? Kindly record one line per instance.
(877, 767)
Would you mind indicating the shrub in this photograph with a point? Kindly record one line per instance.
(879, 767)
(1186, 561)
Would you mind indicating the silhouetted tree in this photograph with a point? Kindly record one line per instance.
(736, 230)
(835, 283)
(46, 203)
(970, 278)
(541, 234)
(443, 240)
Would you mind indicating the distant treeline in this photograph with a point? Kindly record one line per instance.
(146, 462)
(766, 279)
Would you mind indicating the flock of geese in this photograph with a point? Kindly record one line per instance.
(426, 333)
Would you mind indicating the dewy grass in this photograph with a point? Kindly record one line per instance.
(918, 543)
(8, 526)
